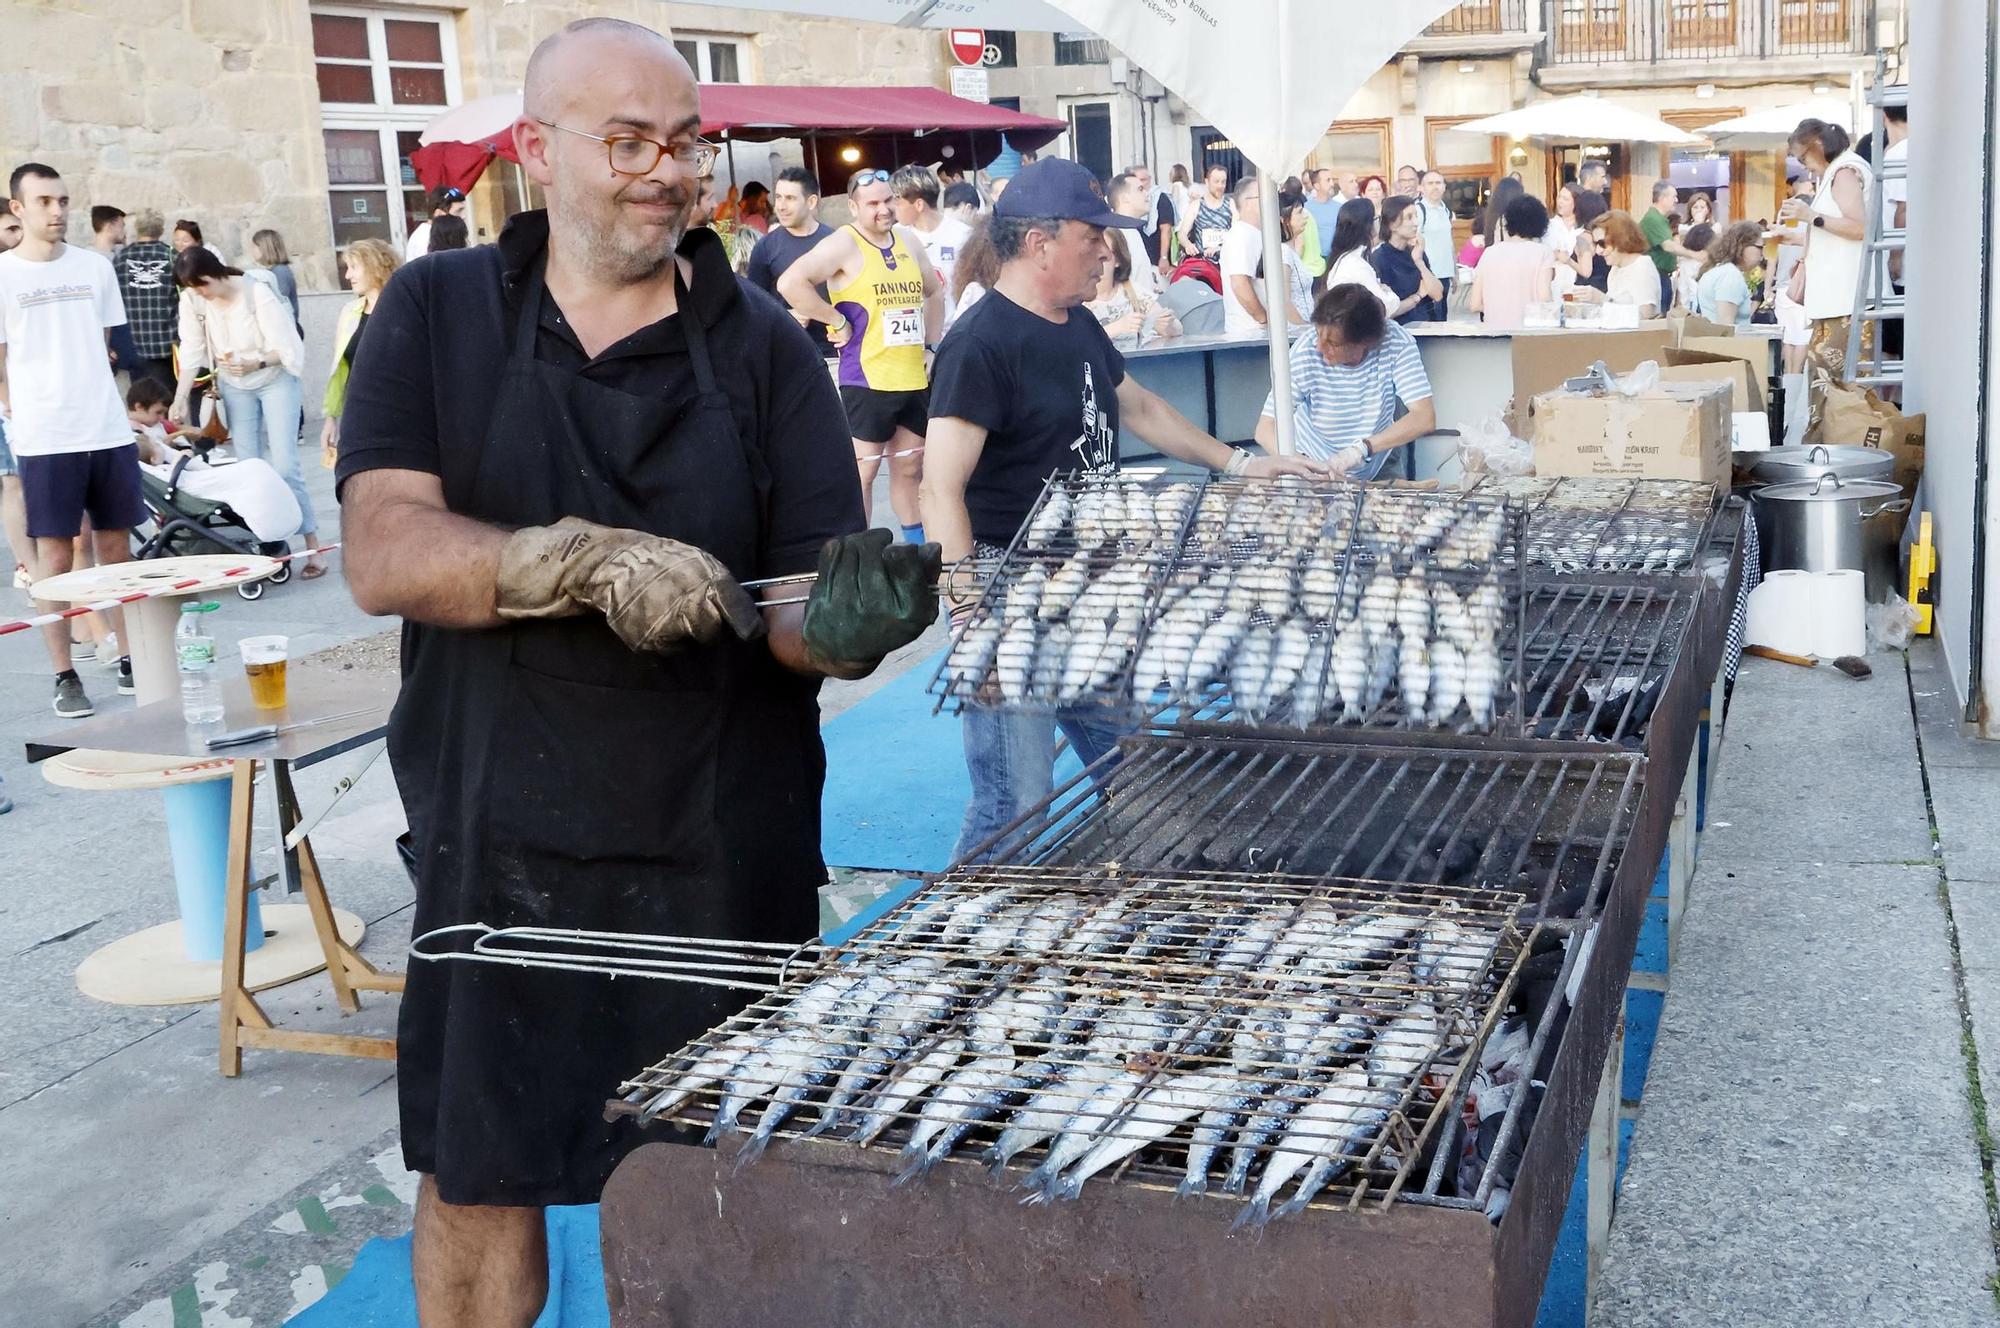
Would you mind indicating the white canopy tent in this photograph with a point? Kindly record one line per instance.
(1772, 128)
(1582, 118)
(1270, 74)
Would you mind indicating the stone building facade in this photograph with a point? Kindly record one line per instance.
(293, 114)
(1691, 64)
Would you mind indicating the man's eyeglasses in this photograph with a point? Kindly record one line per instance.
(634, 154)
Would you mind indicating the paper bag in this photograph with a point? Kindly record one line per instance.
(1863, 419)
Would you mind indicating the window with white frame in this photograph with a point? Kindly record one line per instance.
(382, 75)
(713, 59)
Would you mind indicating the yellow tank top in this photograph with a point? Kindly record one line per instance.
(885, 305)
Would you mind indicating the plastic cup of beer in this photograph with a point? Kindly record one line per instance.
(264, 666)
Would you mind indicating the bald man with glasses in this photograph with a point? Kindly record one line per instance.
(561, 457)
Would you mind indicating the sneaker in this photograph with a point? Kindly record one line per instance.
(70, 701)
(83, 649)
(126, 687)
(21, 578)
(109, 654)
(6, 803)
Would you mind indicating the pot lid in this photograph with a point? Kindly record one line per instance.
(1828, 489)
(1832, 456)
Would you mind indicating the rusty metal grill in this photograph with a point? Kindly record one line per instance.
(1208, 1032)
(1589, 664)
(1581, 525)
(1294, 604)
(1548, 826)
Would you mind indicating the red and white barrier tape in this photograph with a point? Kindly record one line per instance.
(172, 588)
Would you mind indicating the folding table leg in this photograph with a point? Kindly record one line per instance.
(239, 1007)
(314, 888)
(1601, 1166)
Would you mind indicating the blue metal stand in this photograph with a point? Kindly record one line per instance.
(198, 837)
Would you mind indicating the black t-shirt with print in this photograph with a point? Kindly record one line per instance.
(1046, 394)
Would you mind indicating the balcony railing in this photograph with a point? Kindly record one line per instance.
(1478, 18)
(1597, 31)
(1082, 50)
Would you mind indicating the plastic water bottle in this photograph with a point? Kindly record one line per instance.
(201, 690)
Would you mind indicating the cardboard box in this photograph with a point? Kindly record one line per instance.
(1543, 359)
(1753, 348)
(1697, 366)
(1678, 432)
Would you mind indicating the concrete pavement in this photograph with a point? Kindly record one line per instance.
(1812, 1145)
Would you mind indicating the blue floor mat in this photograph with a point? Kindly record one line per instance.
(895, 780)
(377, 1291)
(896, 786)
(1563, 1295)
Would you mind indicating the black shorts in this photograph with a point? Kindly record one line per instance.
(874, 417)
(59, 489)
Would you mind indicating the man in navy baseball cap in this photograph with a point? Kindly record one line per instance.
(1028, 385)
(1060, 190)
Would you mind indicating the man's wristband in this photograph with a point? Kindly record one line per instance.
(1238, 463)
(841, 326)
(1368, 446)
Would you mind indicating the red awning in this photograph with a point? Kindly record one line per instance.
(453, 165)
(895, 124)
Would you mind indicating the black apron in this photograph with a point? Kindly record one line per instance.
(554, 777)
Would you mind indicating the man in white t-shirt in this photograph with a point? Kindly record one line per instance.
(68, 429)
(914, 194)
(1434, 229)
(1895, 208)
(448, 203)
(1242, 253)
(1129, 197)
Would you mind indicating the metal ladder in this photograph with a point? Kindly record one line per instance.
(1875, 298)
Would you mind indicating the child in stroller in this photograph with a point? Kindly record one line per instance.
(203, 504)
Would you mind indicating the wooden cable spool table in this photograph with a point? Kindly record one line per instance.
(152, 747)
(150, 622)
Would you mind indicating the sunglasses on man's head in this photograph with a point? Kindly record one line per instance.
(864, 178)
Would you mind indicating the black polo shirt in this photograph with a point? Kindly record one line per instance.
(425, 380)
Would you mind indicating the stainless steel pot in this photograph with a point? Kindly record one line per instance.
(1791, 465)
(1827, 524)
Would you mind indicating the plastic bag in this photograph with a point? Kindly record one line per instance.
(1891, 624)
(1487, 448)
(1644, 377)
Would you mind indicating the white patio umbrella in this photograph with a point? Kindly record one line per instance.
(1582, 118)
(474, 121)
(1772, 128)
(1270, 74)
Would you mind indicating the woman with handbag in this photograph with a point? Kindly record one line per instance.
(244, 331)
(1826, 279)
(367, 265)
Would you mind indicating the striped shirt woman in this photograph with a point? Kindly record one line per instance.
(1337, 405)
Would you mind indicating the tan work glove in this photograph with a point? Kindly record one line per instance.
(657, 594)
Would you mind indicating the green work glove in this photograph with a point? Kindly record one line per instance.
(871, 597)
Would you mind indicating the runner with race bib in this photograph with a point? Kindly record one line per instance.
(884, 305)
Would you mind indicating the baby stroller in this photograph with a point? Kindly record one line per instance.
(186, 524)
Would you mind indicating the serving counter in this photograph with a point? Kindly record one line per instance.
(1221, 382)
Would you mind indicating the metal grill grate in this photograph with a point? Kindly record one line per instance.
(1550, 827)
(1212, 1032)
(1591, 662)
(1297, 604)
(1609, 525)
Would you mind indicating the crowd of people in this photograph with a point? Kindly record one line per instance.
(93, 338)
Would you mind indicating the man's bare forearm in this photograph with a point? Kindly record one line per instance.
(411, 557)
(787, 640)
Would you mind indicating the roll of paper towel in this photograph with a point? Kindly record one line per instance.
(1780, 613)
(1839, 614)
